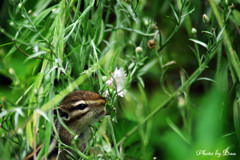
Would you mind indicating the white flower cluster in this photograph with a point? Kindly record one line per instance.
(119, 78)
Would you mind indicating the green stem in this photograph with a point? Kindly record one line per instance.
(231, 53)
(169, 38)
(131, 30)
(113, 137)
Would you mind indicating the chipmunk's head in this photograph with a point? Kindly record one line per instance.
(82, 106)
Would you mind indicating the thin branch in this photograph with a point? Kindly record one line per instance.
(25, 54)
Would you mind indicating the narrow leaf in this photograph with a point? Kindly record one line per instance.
(200, 43)
(176, 130)
(220, 34)
(174, 12)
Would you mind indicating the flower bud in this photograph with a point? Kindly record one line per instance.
(138, 49)
(19, 5)
(11, 71)
(11, 23)
(3, 135)
(181, 102)
(206, 20)
(194, 31)
(146, 21)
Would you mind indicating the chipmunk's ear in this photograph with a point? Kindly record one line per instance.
(62, 113)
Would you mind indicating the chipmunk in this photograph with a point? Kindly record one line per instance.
(78, 111)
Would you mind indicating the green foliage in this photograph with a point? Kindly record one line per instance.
(182, 76)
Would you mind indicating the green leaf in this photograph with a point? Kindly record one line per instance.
(219, 36)
(188, 12)
(101, 33)
(6, 44)
(111, 64)
(174, 12)
(236, 15)
(200, 43)
(29, 132)
(141, 81)
(207, 32)
(236, 117)
(48, 133)
(42, 15)
(206, 79)
(147, 67)
(176, 130)
(172, 19)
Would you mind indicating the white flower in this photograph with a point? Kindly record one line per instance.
(119, 78)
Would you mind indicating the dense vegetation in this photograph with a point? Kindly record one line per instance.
(170, 70)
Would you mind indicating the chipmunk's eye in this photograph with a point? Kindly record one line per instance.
(81, 106)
